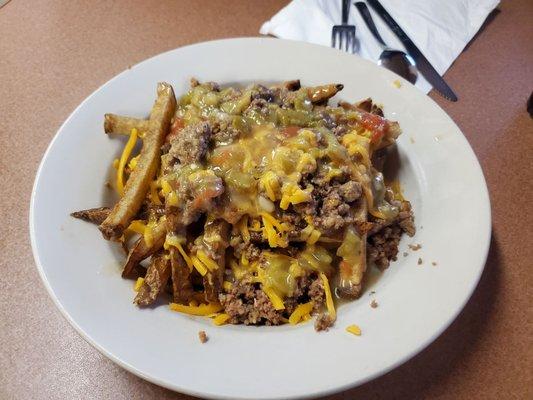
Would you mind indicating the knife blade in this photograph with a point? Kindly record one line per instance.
(422, 63)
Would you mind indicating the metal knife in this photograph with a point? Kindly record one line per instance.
(422, 63)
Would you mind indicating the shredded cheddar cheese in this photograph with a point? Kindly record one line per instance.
(354, 329)
(200, 267)
(300, 312)
(277, 302)
(200, 310)
(221, 319)
(175, 241)
(137, 226)
(138, 283)
(148, 234)
(330, 305)
(208, 262)
(130, 144)
(227, 286)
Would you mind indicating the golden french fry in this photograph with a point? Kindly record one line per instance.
(142, 250)
(94, 215)
(120, 125)
(216, 240)
(142, 176)
(154, 282)
(182, 289)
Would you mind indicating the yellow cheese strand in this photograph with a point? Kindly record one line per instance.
(138, 283)
(200, 267)
(330, 305)
(130, 144)
(274, 298)
(208, 262)
(354, 329)
(300, 312)
(221, 319)
(137, 226)
(202, 309)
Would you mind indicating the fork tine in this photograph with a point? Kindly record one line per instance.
(341, 40)
(333, 38)
(348, 42)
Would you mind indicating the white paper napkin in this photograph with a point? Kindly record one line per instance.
(440, 28)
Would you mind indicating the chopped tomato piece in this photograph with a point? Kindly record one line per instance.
(375, 124)
(290, 131)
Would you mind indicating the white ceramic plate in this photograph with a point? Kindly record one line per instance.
(439, 173)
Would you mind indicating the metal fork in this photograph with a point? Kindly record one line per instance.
(343, 36)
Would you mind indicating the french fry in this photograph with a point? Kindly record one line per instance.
(216, 238)
(142, 176)
(154, 282)
(93, 215)
(120, 125)
(182, 289)
(142, 250)
(321, 94)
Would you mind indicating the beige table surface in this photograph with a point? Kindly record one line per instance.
(54, 53)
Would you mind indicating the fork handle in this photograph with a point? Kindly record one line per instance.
(367, 17)
(345, 11)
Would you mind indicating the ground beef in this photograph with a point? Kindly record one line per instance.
(263, 93)
(323, 322)
(223, 133)
(296, 223)
(334, 214)
(350, 191)
(191, 144)
(383, 246)
(196, 197)
(202, 336)
(249, 305)
(250, 250)
(317, 294)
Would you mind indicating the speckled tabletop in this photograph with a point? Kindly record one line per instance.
(54, 53)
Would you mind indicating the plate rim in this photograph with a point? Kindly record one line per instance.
(486, 242)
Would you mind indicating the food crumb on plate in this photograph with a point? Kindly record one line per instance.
(415, 247)
(202, 336)
(411, 139)
(374, 304)
(405, 254)
(397, 83)
(372, 292)
(433, 263)
(420, 261)
(354, 330)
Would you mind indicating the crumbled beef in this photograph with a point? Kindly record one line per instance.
(191, 144)
(202, 336)
(195, 196)
(340, 130)
(383, 246)
(335, 212)
(323, 322)
(263, 93)
(249, 305)
(317, 294)
(223, 133)
(350, 191)
(240, 248)
(296, 223)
